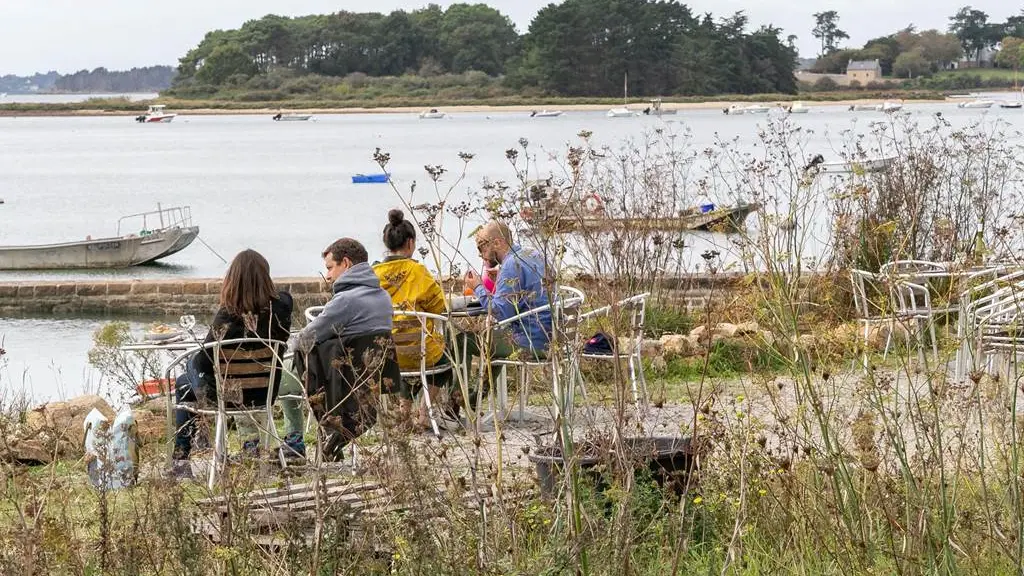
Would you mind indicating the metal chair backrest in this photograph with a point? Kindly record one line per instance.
(911, 267)
(860, 281)
(312, 312)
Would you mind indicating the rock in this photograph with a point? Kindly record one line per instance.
(677, 345)
(29, 451)
(648, 349)
(847, 334)
(151, 427)
(747, 329)
(62, 421)
(724, 330)
(699, 331)
(878, 334)
(766, 337)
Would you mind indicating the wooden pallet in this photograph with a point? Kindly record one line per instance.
(277, 517)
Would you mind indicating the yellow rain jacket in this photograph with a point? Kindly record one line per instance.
(413, 287)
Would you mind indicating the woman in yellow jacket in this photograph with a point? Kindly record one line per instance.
(412, 287)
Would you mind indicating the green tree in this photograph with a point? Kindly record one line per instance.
(971, 28)
(1010, 51)
(477, 37)
(911, 64)
(826, 29)
(225, 61)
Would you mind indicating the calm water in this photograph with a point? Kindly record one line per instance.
(285, 188)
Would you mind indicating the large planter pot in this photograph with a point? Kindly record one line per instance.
(669, 460)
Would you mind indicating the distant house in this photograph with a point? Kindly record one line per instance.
(864, 71)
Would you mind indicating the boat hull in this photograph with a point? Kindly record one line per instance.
(102, 253)
(547, 114)
(160, 119)
(726, 220)
(295, 118)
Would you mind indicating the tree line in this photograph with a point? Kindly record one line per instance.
(100, 80)
(910, 54)
(578, 47)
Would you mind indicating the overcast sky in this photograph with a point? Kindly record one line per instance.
(69, 35)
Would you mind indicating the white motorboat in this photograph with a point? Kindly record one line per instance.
(291, 117)
(546, 114)
(798, 108)
(1011, 105)
(432, 114)
(976, 104)
(156, 114)
(883, 107)
(656, 109)
(736, 110)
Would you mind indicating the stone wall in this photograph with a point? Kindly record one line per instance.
(147, 298)
(172, 298)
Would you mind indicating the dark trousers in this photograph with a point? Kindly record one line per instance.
(190, 387)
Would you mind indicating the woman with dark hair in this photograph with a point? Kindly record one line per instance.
(412, 287)
(250, 307)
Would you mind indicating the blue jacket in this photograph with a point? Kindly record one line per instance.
(519, 288)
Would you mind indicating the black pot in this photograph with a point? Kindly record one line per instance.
(669, 460)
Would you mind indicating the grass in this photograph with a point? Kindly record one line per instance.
(984, 73)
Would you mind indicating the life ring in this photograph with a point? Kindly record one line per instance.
(593, 204)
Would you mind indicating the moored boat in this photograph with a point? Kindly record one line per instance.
(546, 114)
(291, 117)
(432, 114)
(621, 113)
(656, 109)
(175, 233)
(371, 179)
(736, 110)
(798, 108)
(157, 114)
(1011, 105)
(976, 104)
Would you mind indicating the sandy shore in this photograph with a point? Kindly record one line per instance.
(518, 108)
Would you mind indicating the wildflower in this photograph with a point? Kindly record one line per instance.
(762, 492)
(740, 399)
(698, 500)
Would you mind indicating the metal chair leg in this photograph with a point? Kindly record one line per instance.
(430, 406)
(219, 450)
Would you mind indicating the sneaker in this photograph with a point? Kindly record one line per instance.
(294, 445)
(181, 470)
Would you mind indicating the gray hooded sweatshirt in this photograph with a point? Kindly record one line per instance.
(359, 306)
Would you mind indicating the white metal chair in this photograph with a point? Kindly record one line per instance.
(240, 365)
(974, 297)
(637, 308)
(411, 333)
(870, 312)
(565, 318)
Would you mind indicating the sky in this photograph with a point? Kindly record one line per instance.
(69, 35)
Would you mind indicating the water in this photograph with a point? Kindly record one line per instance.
(285, 189)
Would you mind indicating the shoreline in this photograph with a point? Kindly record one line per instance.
(457, 109)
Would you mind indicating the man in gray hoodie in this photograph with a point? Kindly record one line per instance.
(359, 304)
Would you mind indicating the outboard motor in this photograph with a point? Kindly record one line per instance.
(278, 116)
(140, 119)
(815, 161)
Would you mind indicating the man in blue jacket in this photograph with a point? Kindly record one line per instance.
(518, 288)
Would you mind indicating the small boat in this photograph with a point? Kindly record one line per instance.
(705, 218)
(883, 107)
(971, 95)
(371, 178)
(736, 110)
(156, 114)
(798, 108)
(153, 388)
(866, 165)
(976, 104)
(546, 114)
(655, 109)
(1011, 105)
(621, 113)
(432, 114)
(175, 233)
(291, 117)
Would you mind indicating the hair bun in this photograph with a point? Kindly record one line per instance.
(395, 217)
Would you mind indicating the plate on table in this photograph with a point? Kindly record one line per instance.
(163, 333)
